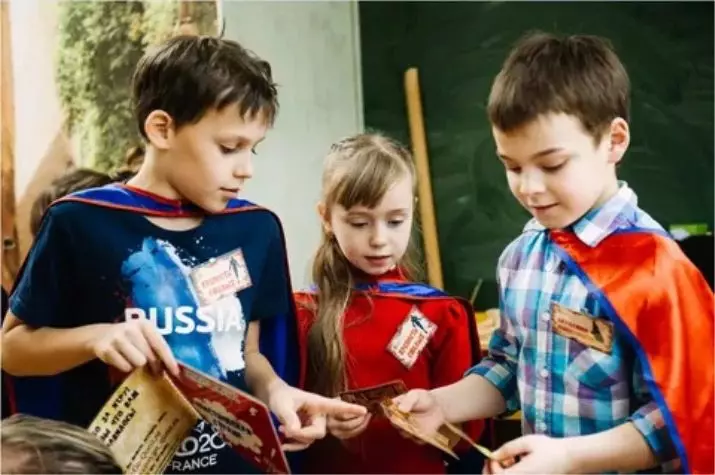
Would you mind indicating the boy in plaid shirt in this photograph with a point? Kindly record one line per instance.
(606, 335)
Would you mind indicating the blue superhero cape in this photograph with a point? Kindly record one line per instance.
(279, 338)
(420, 291)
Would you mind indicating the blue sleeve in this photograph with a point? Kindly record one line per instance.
(273, 296)
(43, 292)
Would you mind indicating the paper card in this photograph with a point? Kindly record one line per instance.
(459, 433)
(372, 397)
(242, 421)
(594, 332)
(144, 422)
(406, 423)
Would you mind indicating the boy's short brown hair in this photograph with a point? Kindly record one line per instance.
(73, 180)
(578, 75)
(34, 445)
(189, 75)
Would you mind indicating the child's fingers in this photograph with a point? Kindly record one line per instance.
(514, 448)
(113, 358)
(295, 446)
(138, 339)
(349, 429)
(130, 353)
(363, 425)
(160, 347)
(322, 405)
(494, 467)
(407, 402)
(308, 433)
(297, 443)
(346, 425)
(344, 418)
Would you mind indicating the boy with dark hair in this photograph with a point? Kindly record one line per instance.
(77, 179)
(606, 334)
(170, 266)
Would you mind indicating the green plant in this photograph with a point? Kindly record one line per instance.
(99, 46)
(100, 43)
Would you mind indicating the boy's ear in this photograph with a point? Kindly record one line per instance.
(159, 128)
(619, 137)
(324, 219)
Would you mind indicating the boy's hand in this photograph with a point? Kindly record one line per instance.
(133, 344)
(346, 427)
(424, 408)
(537, 454)
(303, 414)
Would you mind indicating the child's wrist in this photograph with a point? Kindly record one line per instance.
(92, 334)
(272, 387)
(437, 395)
(576, 452)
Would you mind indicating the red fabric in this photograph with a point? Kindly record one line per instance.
(666, 304)
(370, 323)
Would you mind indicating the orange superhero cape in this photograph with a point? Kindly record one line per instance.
(658, 300)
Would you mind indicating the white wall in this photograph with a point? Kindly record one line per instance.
(313, 48)
(38, 113)
(42, 150)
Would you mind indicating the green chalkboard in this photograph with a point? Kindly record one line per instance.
(459, 47)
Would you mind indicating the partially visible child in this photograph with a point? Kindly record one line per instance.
(606, 337)
(78, 179)
(35, 445)
(130, 165)
(367, 322)
(75, 179)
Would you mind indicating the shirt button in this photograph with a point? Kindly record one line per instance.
(544, 373)
(541, 426)
(545, 316)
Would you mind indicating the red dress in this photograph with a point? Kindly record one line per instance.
(371, 320)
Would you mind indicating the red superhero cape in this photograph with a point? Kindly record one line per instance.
(659, 301)
(416, 292)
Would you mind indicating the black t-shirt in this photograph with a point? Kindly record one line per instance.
(92, 264)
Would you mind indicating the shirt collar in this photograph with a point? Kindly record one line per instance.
(601, 222)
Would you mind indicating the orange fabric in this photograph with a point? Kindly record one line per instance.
(665, 304)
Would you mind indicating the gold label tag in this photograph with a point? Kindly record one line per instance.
(596, 333)
(220, 277)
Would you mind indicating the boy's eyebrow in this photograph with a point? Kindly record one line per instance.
(238, 139)
(539, 154)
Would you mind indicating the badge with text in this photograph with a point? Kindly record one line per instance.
(596, 333)
(372, 397)
(412, 337)
(221, 277)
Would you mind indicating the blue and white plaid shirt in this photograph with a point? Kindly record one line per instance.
(563, 387)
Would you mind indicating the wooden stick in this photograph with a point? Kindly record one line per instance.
(424, 185)
(483, 450)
